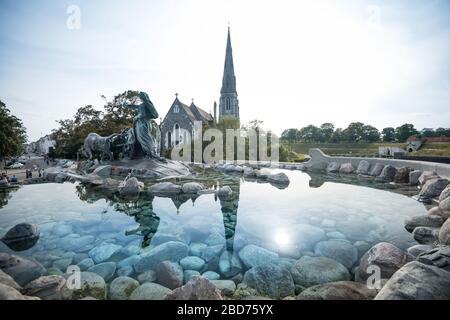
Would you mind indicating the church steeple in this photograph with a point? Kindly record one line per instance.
(228, 104)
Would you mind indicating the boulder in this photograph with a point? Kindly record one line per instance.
(427, 175)
(189, 274)
(7, 280)
(414, 177)
(333, 167)
(340, 290)
(48, 288)
(418, 249)
(92, 285)
(436, 211)
(278, 178)
(126, 271)
(227, 287)
(22, 236)
(164, 188)
(306, 236)
(387, 174)
(444, 194)
(433, 188)
(253, 256)
(417, 281)
(341, 251)
(270, 280)
(86, 264)
(169, 251)
(169, 274)
(106, 270)
(363, 167)
(104, 252)
(402, 175)
(432, 221)
(147, 276)
(150, 291)
(22, 270)
(444, 233)
(311, 271)
(130, 187)
(102, 171)
(121, 288)
(249, 172)
(438, 257)
(9, 293)
(192, 187)
(384, 255)
(192, 263)
(211, 275)
(224, 192)
(197, 248)
(426, 235)
(376, 170)
(198, 288)
(229, 264)
(444, 208)
(346, 168)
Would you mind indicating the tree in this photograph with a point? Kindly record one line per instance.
(290, 135)
(117, 116)
(337, 136)
(327, 130)
(310, 133)
(427, 132)
(370, 134)
(442, 132)
(388, 134)
(354, 132)
(12, 133)
(405, 131)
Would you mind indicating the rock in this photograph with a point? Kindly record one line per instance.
(215, 238)
(169, 274)
(310, 271)
(278, 178)
(262, 173)
(402, 175)
(433, 188)
(431, 221)
(444, 208)
(61, 177)
(376, 170)
(192, 187)
(9, 293)
(362, 247)
(106, 270)
(418, 249)
(305, 235)
(62, 264)
(343, 252)
(7, 280)
(21, 269)
(438, 257)
(414, 177)
(62, 230)
(229, 264)
(249, 173)
(164, 188)
(340, 290)
(22, 236)
(384, 255)
(76, 243)
(436, 211)
(387, 174)
(150, 291)
(444, 194)
(270, 280)
(86, 264)
(130, 261)
(192, 263)
(427, 175)
(198, 288)
(48, 288)
(170, 251)
(211, 256)
(189, 274)
(121, 288)
(147, 276)
(224, 192)
(426, 235)
(227, 287)
(253, 256)
(130, 187)
(363, 167)
(102, 171)
(92, 285)
(211, 275)
(346, 168)
(333, 167)
(417, 281)
(444, 233)
(126, 271)
(104, 252)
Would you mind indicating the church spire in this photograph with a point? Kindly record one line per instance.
(229, 79)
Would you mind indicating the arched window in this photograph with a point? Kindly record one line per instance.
(176, 109)
(169, 139)
(227, 104)
(176, 133)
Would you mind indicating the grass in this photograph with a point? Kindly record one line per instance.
(433, 149)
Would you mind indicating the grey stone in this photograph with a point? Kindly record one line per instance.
(270, 280)
(189, 274)
(427, 175)
(21, 269)
(333, 167)
(164, 188)
(130, 187)
(227, 287)
(343, 252)
(169, 274)
(444, 233)
(423, 221)
(106, 270)
(362, 247)
(86, 264)
(417, 281)
(402, 175)
(121, 288)
(363, 167)
(224, 192)
(419, 249)
(433, 188)
(340, 290)
(215, 238)
(278, 178)
(130, 261)
(76, 243)
(444, 194)
(426, 235)
(211, 275)
(22, 236)
(92, 285)
(376, 170)
(62, 264)
(77, 258)
(192, 187)
(198, 288)
(104, 252)
(171, 251)
(48, 288)
(192, 263)
(7, 280)
(310, 271)
(387, 174)
(414, 177)
(102, 171)
(444, 208)
(253, 256)
(346, 168)
(384, 255)
(307, 236)
(147, 276)
(9, 293)
(229, 264)
(150, 291)
(439, 257)
(126, 271)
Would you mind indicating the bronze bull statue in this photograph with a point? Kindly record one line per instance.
(96, 144)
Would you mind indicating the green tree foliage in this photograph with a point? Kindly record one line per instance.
(370, 134)
(405, 131)
(326, 131)
(12, 133)
(354, 132)
(388, 134)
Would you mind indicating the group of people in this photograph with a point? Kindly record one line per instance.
(29, 172)
(5, 179)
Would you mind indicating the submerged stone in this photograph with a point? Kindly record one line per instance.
(253, 256)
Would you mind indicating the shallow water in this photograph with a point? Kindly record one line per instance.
(75, 220)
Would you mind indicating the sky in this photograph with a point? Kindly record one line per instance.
(297, 63)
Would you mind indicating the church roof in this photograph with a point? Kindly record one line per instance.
(229, 79)
(193, 112)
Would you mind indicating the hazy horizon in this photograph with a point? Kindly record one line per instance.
(297, 63)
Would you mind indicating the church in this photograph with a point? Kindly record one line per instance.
(178, 124)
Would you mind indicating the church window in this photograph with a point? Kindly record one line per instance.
(176, 109)
(228, 104)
